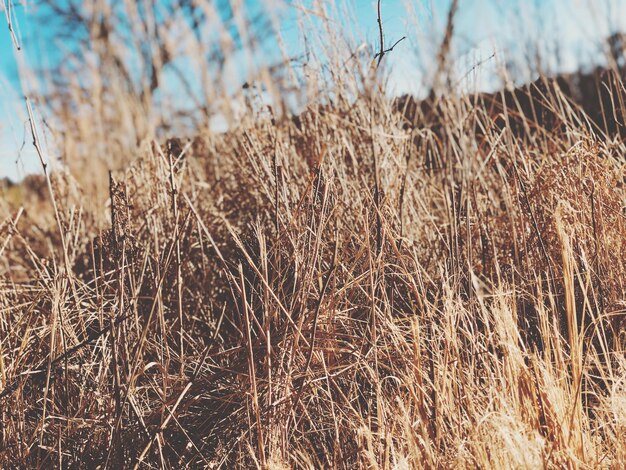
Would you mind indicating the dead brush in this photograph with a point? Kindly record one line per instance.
(303, 342)
(341, 290)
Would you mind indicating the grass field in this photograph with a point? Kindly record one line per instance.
(373, 283)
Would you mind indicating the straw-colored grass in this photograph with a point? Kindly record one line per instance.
(340, 290)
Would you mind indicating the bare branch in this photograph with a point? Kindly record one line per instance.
(381, 53)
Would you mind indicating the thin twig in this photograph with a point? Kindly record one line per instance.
(381, 54)
(7, 13)
(381, 37)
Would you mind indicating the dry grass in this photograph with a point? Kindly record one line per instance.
(339, 290)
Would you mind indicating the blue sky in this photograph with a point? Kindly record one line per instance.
(570, 29)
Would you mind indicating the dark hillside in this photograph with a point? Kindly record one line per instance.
(598, 95)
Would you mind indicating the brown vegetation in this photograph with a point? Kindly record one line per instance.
(339, 290)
